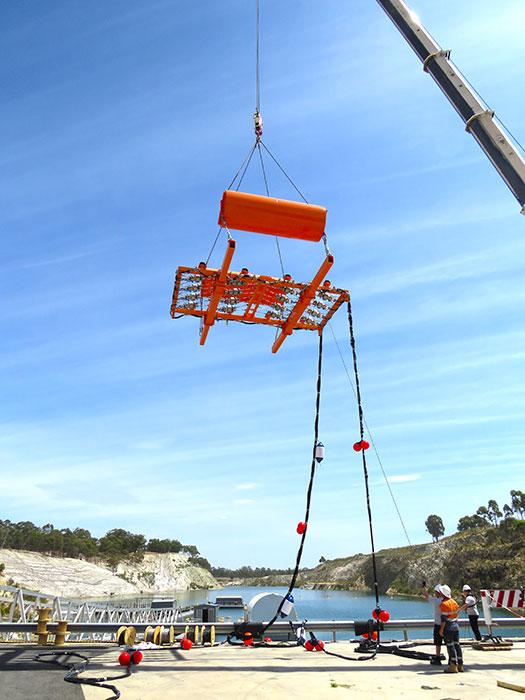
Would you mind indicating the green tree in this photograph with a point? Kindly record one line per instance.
(190, 549)
(507, 512)
(469, 522)
(201, 561)
(155, 545)
(435, 527)
(494, 512)
(483, 512)
(518, 503)
(121, 542)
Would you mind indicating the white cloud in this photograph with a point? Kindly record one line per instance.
(402, 478)
(248, 486)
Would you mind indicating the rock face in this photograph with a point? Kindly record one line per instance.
(486, 557)
(74, 578)
(162, 572)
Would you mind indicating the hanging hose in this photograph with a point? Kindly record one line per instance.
(363, 455)
(367, 491)
(310, 486)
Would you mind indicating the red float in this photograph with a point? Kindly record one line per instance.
(301, 528)
(320, 645)
(186, 643)
(137, 657)
(267, 640)
(384, 616)
(361, 445)
(124, 658)
(374, 635)
(308, 645)
(374, 614)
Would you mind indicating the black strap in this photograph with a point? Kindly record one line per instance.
(363, 455)
(310, 484)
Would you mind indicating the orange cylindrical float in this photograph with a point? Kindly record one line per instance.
(277, 217)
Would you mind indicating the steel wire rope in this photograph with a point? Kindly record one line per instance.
(376, 452)
(257, 59)
(504, 607)
(258, 112)
(243, 168)
(417, 566)
(268, 194)
(284, 172)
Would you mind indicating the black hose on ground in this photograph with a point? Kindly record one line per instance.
(73, 671)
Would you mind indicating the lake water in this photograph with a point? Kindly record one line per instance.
(335, 605)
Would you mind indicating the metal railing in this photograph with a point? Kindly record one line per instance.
(19, 606)
(107, 630)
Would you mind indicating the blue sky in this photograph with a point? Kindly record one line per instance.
(121, 124)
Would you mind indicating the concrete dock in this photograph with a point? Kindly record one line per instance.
(226, 672)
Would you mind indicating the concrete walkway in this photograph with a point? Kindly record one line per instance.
(225, 672)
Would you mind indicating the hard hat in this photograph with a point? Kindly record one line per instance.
(437, 588)
(466, 588)
(445, 590)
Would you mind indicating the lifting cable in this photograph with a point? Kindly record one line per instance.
(378, 457)
(372, 442)
(257, 116)
(259, 145)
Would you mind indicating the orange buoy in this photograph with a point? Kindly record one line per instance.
(276, 217)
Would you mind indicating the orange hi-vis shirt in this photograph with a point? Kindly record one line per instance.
(449, 609)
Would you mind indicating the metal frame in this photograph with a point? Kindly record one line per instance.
(498, 147)
(282, 303)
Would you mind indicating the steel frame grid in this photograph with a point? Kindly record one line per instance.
(240, 296)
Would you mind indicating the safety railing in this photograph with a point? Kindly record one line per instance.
(108, 630)
(19, 606)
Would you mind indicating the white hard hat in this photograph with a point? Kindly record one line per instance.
(466, 588)
(437, 587)
(445, 590)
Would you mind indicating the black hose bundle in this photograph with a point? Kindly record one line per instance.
(73, 671)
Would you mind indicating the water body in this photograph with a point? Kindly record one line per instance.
(335, 605)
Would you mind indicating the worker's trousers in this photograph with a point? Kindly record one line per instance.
(455, 655)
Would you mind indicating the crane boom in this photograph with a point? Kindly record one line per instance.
(477, 116)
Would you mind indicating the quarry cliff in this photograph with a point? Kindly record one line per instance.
(78, 578)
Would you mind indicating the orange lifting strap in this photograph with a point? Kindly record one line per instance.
(239, 296)
(277, 217)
